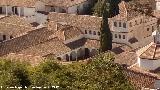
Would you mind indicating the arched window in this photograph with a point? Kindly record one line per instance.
(115, 35)
(119, 36)
(120, 24)
(124, 37)
(94, 33)
(99, 33)
(85, 31)
(90, 32)
(115, 24)
(124, 25)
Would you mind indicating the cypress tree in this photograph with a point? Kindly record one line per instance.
(106, 36)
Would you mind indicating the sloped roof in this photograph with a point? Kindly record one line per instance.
(88, 43)
(152, 53)
(20, 43)
(66, 32)
(63, 3)
(139, 79)
(14, 25)
(80, 21)
(21, 3)
(52, 46)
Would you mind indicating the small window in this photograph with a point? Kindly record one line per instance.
(4, 37)
(120, 24)
(147, 29)
(152, 28)
(124, 25)
(94, 33)
(115, 35)
(130, 24)
(136, 22)
(90, 32)
(99, 33)
(119, 36)
(124, 37)
(115, 24)
(140, 21)
(11, 37)
(85, 31)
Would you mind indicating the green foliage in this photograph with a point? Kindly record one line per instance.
(100, 74)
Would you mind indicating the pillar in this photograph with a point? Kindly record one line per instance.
(6, 11)
(19, 11)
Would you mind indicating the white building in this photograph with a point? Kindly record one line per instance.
(131, 26)
(149, 56)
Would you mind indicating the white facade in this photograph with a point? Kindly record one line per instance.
(148, 64)
(158, 5)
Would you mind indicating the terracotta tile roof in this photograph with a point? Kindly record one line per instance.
(14, 25)
(63, 3)
(80, 21)
(139, 80)
(152, 53)
(52, 46)
(84, 42)
(66, 32)
(30, 39)
(21, 3)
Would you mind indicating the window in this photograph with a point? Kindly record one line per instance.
(147, 29)
(130, 24)
(115, 24)
(11, 37)
(119, 36)
(124, 37)
(140, 21)
(152, 28)
(52, 9)
(85, 31)
(99, 33)
(94, 33)
(115, 35)
(124, 25)
(119, 24)
(90, 32)
(4, 37)
(136, 22)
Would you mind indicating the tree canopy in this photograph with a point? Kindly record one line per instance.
(100, 74)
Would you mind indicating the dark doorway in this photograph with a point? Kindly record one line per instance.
(4, 37)
(16, 11)
(67, 57)
(0, 10)
(71, 58)
(87, 53)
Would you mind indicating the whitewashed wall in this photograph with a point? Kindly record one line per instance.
(73, 9)
(148, 64)
(158, 6)
(40, 18)
(118, 40)
(40, 6)
(29, 11)
(9, 9)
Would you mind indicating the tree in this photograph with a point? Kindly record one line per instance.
(13, 74)
(113, 7)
